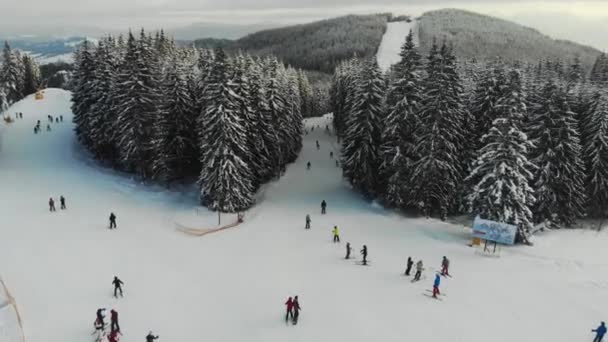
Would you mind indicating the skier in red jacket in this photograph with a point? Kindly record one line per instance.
(113, 337)
(289, 313)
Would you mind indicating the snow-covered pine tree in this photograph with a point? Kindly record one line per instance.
(262, 125)
(362, 136)
(483, 106)
(558, 183)
(502, 170)
(306, 95)
(175, 138)
(276, 116)
(82, 98)
(225, 179)
(402, 104)
(437, 174)
(293, 105)
(31, 76)
(11, 76)
(599, 72)
(136, 106)
(596, 151)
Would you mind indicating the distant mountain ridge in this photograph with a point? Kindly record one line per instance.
(485, 38)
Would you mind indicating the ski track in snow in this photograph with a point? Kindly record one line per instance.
(392, 41)
(231, 286)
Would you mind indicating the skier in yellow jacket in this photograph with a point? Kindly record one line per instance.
(336, 234)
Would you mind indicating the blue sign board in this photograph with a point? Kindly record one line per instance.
(494, 231)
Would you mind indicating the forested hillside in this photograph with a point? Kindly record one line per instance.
(316, 46)
(519, 143)
(484, 38)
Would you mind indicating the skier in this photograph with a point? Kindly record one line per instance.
(113, 337)
(117, 286)
(99, 333)
(318, 146)
(35, 129)
(419, 268)
(114, 321)
(323, 206)
(100, 317)
(409, 266)
(296, 310)
(62, 201)
(289, 313)
(151, 337)
(348, 249)
(436, 285)
(21, 115)
(308, 166)
(331, 155)
(337, 163)
(61, 118)
(38, 123)
(599, 332)
(51, 204)
(336, 234)
(364, 253)
(307, 222)
(112, 221)
(445, 265)
(48, 128)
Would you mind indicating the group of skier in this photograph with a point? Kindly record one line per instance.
(100, 325)
(50, 118)
(52, 204)
(293, 310)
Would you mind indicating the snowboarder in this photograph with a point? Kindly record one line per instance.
(445, 265)
(62, 201)
(112, 221)
(599, 332)
(51, 204)
(151, 337)
(318, 146)
(331, 155)
(409, 266)
(308, 166)
(117, 286)
(296, 310)
(100, 317)
(289, 312)
(114, 321)
(336, 234)
(323, 206)
(364, 253)
(436, 285)
(113, 337)
(348, 249)
(419, 268)
(307, 222)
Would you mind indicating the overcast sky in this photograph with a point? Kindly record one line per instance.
(582, 21)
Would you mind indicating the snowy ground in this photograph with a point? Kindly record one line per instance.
(392, 41)
(231, 286)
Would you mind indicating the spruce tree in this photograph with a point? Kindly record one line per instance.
(11, 76)
(596, 151)
(136, 106)
(175, 141)
(502, 171)
(403, 101)
(225, 179)
(559, 177)
(82, 95)
(362, 136)
(31, 77)
(437, 173)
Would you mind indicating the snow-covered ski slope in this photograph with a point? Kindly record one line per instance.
(392, 41)
(231, 286)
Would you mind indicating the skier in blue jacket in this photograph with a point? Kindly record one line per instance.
(599, 332)
(436, 285)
